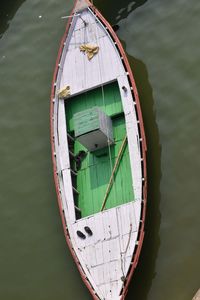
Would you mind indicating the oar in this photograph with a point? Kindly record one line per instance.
(113, 172)
(67, 17)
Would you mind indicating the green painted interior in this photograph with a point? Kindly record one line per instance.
(95, 171)
(111, 104)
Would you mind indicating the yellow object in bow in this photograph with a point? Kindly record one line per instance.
(90, 50)
(65, 92)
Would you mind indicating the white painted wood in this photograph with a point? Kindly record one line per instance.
(110, 224)
(126, 219)
(106, 258)
(106, 255)
(69, 193)
(102, 68)
(137, 209)
(62, 137)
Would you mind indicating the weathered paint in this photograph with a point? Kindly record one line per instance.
(96, 167)
(111, 104)
(143, 149)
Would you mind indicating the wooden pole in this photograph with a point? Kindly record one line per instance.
(113, 172)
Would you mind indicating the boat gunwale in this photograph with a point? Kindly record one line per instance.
(143, 148)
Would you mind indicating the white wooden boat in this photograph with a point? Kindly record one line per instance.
(99, 153)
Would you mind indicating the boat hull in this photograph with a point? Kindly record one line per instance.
(142, 145)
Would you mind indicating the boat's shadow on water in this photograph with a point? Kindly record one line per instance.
(8, 8)
(145, 271)
(116, 10)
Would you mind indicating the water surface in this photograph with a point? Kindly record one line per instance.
(162, 42)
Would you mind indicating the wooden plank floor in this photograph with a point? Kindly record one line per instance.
(96, 168)
(108, 251)
(80, 73)
(94, 176)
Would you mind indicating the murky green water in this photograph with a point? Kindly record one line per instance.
(162, 42)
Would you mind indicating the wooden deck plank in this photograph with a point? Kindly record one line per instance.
(110, 224)
(98, 274)
(90, 257)
(103, 60)
(99, 253)
(62, 137)
(126, 219)
(69, 193)
(108, 257)
(137, 209)
(98, 224)
(134, 151)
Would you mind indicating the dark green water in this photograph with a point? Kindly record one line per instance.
(162, 41)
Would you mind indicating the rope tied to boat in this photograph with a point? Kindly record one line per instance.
(64, 92)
